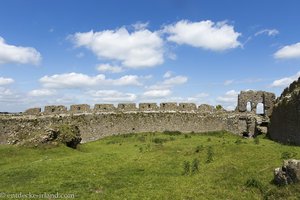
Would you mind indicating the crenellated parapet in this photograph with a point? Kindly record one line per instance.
(122, 107)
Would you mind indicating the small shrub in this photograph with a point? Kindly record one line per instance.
(172, 139)
(254, 183)
(256, 140)
(208, 139)
(142, 139)
(172, 133)
(210, 155)
(186, 167)
(187, 136)
(159, 140)
(238, 141)
(219, 107)
(141, 149)
(288, 155)
(195, 166)
(199, 148)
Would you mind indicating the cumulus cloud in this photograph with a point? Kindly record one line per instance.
(41, 92)
(6, 81)
(228, 100)
(78, 80)
(18, 54)
(139, 49)
(177, 80)
(157, 93)
(168, 74)
(286, 81)
(204, 34)
(109, 68)
(269, 32)
(111, 96)
(288, 52)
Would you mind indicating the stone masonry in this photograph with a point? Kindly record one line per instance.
(106, 119)
(254, 98)
(285, 120)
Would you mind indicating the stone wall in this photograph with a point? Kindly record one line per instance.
(285, 121)
(94, 126)
(105, 119)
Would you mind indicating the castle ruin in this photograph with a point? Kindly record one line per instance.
(105, 119)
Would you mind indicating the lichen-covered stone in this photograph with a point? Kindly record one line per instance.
(289, 173)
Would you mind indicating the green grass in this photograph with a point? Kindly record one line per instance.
(151, 166)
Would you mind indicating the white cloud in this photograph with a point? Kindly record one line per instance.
(111, 96)
(6, 81)
(229, 97)
(168, 74)
(204, 34)
(18, 54)
(109, 68)
(269, 32)
(157, 93)
(78, 80)
(5, 92)
(139, 49)
(228, 82)
(288, 52)
(41, 93)
(284, 82)
(140, 25)
(177, 80)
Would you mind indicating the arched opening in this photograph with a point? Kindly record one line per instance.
(260, 109)
(249, 107)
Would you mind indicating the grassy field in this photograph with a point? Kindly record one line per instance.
(151, 166)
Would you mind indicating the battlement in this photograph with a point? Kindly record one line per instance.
(121, 107)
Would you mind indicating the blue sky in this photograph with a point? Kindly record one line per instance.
(109, 51)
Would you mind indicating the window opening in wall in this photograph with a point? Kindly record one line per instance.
(149, 106)
(260, 109)
(53, 110)
(78, 108)
(249, 107)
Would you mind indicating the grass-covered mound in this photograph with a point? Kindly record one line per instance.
(166, 165)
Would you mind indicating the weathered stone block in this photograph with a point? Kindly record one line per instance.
(289, 173)
(187, 107)
(55, 109)
(148, 107)
(80, 108)
(206, 108)
(168, 106)
(33, 111)
(127, 107)
(104, 108)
